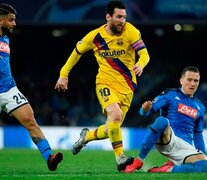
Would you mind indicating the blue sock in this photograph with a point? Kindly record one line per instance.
(199, 166)
(156, 129)
(44, 148)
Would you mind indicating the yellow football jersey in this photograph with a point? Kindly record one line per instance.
(115, 56)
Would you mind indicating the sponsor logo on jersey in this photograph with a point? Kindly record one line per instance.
(188, 111)
(4, 47)
(112, 54)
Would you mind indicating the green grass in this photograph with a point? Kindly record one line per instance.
(28, 164)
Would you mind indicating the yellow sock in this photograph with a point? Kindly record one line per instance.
(96, 134)
(115, 135)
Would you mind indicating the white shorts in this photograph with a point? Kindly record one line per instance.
(177, 150)
(11, 100)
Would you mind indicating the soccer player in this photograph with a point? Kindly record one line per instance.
(177, 132)
(115, 45)
(12, 101)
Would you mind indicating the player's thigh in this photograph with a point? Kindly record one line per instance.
(17, 105)
(177, 149)
(195, 157)
(126, 100)
(106, 96)
(114, 113)
(24, 114)
(12, 100)
(165, 137)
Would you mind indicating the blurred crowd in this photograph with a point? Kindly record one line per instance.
(82, 11)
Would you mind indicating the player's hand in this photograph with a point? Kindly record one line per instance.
(137, 69)
(62, 84)
(146, 106)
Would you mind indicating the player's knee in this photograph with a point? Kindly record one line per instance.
(29, 122)
(116, 116)
(106, 130)
(160, 124)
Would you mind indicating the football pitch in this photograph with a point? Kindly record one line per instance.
(89, 164)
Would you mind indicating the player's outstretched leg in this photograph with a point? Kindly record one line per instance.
(81, 142)
(122, 161)
(198, 166)
(54, 160)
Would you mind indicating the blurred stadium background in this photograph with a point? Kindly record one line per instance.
(46, 33)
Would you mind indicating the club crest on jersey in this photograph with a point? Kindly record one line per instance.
(119, 41)
(188, 111)
(4, 47)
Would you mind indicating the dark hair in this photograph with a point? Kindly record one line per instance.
(190, 68)
(5, 9)
(114, 4)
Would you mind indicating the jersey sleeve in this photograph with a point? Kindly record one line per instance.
(199, 122)
(198, 131)
(160, 101)
(81, 47)
(71, 61)
(86, 43)
(199, 141)
(198, 136)
(139, 46)
(158, 104)
(142, 113)
(134, 36)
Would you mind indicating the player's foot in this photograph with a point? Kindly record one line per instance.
(54, 160)
(137, 164)
(164, 168)
(81, 142)
(122, 161)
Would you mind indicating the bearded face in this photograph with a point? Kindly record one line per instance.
(8, 24)
(117, 28)
(6, 31)
(117, 21)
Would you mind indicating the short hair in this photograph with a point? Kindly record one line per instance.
(190, 68)
(5, 9)
(114, 4)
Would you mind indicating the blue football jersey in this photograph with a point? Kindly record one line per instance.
(184, 113)
(6, 79)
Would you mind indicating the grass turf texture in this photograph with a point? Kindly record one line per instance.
(89, 164)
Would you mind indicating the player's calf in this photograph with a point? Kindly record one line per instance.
(199, 166)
